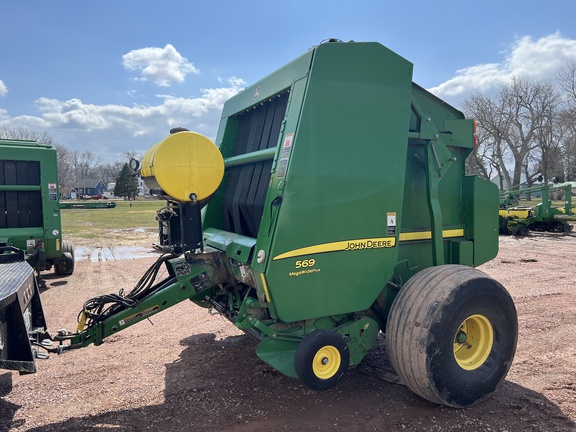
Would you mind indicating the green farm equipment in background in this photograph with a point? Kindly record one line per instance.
(30, 241)
(333, 206)
(30, 205)
(544, 216)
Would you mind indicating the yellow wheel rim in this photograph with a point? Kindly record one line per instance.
(473, 342)
(326, 362)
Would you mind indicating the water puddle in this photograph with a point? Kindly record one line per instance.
(117, 253)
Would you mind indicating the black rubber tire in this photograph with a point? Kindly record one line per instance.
(566, 227)
(425, 319)
(67, 246)
(521, 230)
(504, 226)
(3, 336)
(65, 265)
(313, 344)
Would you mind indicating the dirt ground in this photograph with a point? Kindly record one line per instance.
(188, 370)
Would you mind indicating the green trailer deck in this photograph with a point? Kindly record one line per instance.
(88, 205)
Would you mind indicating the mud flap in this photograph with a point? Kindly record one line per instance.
(20, 313)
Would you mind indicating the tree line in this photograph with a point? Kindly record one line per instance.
(526, 131)
(74, 165)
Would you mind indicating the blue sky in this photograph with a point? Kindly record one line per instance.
(115, 76)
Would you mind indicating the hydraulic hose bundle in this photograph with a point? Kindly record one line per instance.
(97, 309)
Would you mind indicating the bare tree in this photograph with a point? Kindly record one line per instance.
(110, 171)
(63, 154)
(518, 132)
(548, 134)
(566, 80)
(132, 154)
(84, 165)
(519, 111)
(491, 151)
(73, 165)
(64, 165)
(20, 133)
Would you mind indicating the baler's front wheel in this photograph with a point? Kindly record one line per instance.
(451, 334)
(322, 359)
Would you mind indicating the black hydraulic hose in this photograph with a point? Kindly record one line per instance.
(99, 308)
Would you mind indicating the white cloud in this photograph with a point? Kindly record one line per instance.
(109, 130)
(161, 65)
(233, 81)
(529, 58)
(3, 89)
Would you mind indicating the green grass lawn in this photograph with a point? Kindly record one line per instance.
(123, 224)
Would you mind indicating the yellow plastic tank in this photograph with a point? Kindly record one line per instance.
(182, 165)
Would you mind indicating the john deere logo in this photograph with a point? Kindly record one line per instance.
(256, 93)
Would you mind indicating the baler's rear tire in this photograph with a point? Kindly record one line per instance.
(451, 335)
(521, 230)
(322, 359)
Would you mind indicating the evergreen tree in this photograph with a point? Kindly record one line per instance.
(126, 183)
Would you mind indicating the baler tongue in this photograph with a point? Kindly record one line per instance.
(20, 312)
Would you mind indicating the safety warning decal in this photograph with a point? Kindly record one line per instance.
(288, 139)
(391, 218)
(285, 155)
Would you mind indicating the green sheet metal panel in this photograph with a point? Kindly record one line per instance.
(343, 183)
(481, 209)
(258, 96)
(32, 188)
(434, 122)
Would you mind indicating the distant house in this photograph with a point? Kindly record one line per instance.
(110, 190)
(88, 187)
(142, 188)
(65, 192)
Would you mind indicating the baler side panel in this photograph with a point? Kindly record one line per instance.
(344, 184)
